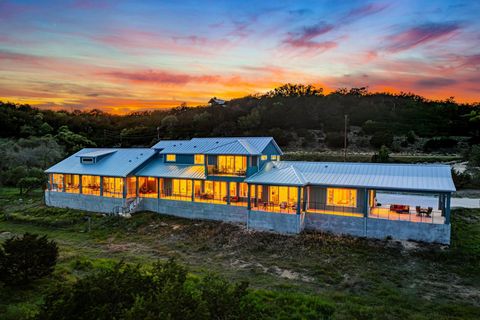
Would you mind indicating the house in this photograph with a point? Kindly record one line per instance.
(244, 180)
(217, 102)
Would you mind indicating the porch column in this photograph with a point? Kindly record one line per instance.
(366, 206)
(124, 188)
(137, 187)
(101, 186)
(80, 184)
(64, 187)
(249, 193)
(447, 209)
(193, 190)
(158, 187)
(305, 198)
(228, 192)
(299, 195)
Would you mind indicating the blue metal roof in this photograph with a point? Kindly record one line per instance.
(419, 177)
(115, 162)
(166, 143)
(157, 168)
(239, 146)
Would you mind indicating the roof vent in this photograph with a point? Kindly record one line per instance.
(326, 166)
(216, 141)
(129, 160)
(174, 145)
(194, 146)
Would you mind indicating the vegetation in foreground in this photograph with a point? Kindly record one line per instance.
(298, 277)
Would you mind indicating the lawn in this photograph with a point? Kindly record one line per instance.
(360, 278)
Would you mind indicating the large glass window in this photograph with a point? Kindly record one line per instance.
(243, 190)
(182, 187)
(91, 185)
(342, 197)
(199, 159)
(56, 182)
(113, 187)
(72, 183)
(232, 164)
(148, 187)
(131, 187)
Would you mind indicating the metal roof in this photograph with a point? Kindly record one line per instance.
(166, 143)
(97, 153)
(117, 162)
(240, 146)
(421, 177)
(157, 168)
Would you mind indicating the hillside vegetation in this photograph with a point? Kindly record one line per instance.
(309, 276)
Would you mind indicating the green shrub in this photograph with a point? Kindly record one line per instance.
(335, 139)
(24, 259)
(440, 144)
(160, 292)
(381, 138)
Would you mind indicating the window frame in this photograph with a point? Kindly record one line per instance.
(335, 204)
(170, 156)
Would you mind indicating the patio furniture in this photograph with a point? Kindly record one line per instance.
(283, 205)
(400, 208)
(429, 212)
(418, 210)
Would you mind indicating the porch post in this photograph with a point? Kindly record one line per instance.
(124, 188)
(366, 207)
(228, 192)
(158, 187)
(299, 195)
(80, 184)
(249, 193)
(101, 186)
(64, 187)
(447, 209)
(193, 190)
(137, 187)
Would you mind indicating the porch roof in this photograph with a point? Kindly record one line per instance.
(408, 177)
(157, 168)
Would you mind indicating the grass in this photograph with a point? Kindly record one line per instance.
(360, 278)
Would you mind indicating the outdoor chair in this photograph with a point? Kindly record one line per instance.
(418, 210)
(429, 212)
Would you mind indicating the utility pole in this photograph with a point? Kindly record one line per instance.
(345, 140)
(158, 133)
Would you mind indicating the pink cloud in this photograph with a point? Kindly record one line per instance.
(160, 76)
(419, 35)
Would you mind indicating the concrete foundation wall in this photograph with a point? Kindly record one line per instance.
(196, 210)
(405, 230)
(278, 222)
(82, 201)
(336, 224)
(379, 228)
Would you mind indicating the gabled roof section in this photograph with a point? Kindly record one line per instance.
(116, 162)
(97, 153)
(239, 146)
(167, 143)
(408, 177)
(157, 168)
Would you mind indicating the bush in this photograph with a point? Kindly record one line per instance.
(161, 292)
(474, 156)
(335, 140)
(440, 144)
(383, 155)
(24, 259)
(381, 139)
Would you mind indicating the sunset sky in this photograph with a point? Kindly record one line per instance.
(122, 56)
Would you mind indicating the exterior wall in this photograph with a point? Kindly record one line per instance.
(278, 222)
(269, 150)
(82, 201)
(318, 200)
(379, 228)
(181, 159)
(196, 210)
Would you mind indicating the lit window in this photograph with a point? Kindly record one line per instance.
(171, 157)
(341, 197)
(199, 159)
(263, 158)
(274, 158)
